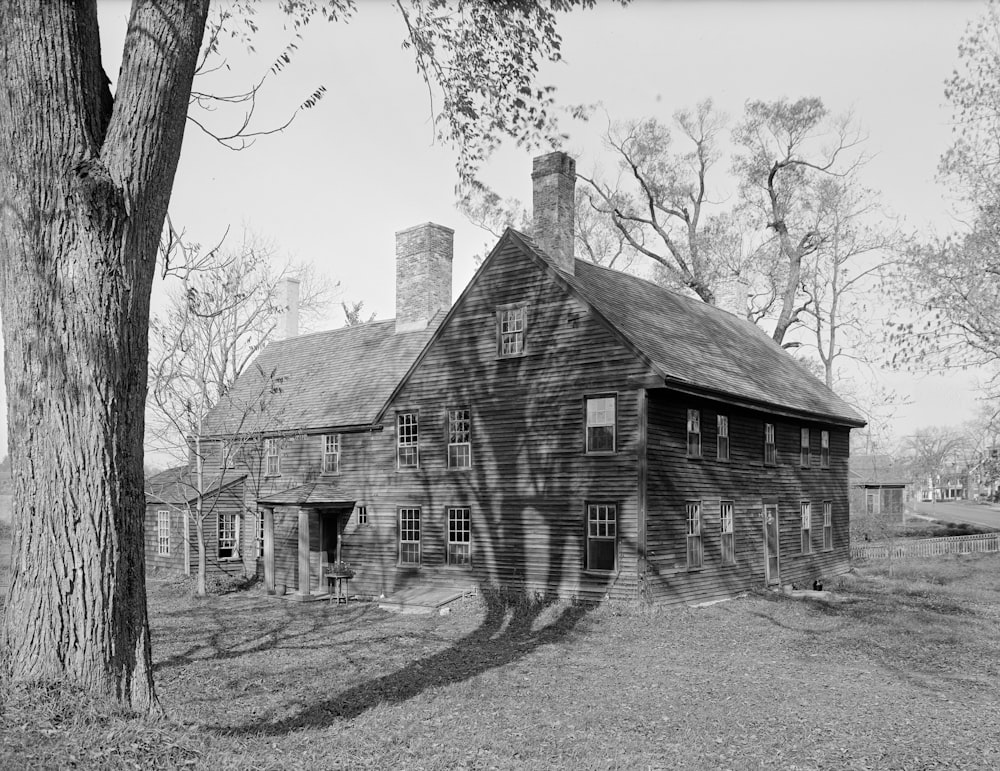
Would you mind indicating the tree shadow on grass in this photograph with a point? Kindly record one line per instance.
(507, 634)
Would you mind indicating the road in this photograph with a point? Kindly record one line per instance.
(961, 511)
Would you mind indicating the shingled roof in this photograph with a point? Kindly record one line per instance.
(178, 485)
(335, 379)
(877, 471)
(698, 347)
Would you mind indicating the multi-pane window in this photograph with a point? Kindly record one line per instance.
(259, 537)
(409, 536)
(510, 331)
(804, 447)
(727, 536)
(362, 515)
(331, 454)
(602, 535)
(407, 439)
(228, 535)
(601, 419)
(227, 455)
(459, 536)
(163, 532)
(693, 534)
(806, 527)
(272, 457)
(722, 437)
(770, 454)
(459, 438)
(824, 449)
(827, 525)
(694, 434)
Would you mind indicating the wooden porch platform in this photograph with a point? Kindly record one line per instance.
(419, 600)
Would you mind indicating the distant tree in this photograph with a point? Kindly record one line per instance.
(931, 452)
(352, 314)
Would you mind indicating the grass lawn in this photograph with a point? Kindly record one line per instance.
(900, 673)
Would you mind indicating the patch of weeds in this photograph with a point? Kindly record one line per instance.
(226, 584)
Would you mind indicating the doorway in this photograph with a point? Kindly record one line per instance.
(771, 544)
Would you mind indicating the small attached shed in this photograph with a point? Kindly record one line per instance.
(879, 485)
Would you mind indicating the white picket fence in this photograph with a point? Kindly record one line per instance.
(927, 547)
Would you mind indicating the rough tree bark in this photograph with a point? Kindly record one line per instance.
(85, 186)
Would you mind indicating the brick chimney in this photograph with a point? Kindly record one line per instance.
(553, 179)
(288, 320)
(423, 274)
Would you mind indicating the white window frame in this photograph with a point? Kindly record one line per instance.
(804, 458)
(163, 532)
(227, 455)
(827, 525)
(259, 533)
(459, 437)
(512, 331)
(408, 518)
(770, 445)
(232, 542)
(805, 510)
(331, 454)
(362, 514)
(694, 433)
(408, 440)
(602, 528)
(727, 532)
(722, 437)
(600, 418)
(824, 449)
(272, 458)
(695, 553)
(459, 546)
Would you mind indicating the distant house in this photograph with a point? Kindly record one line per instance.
(561, 428)
(881, 483)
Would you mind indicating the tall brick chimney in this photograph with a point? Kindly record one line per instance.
(288, 320)
(423, 274)
(553, 179)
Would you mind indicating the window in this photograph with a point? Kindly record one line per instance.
(229, 535)
(727, 536)
(511, 323)
(272, 458)
(459, 536)
(694, 434)
(827, 525)
(770, 455)
(806, 527)
(227, 455)
(362, 515)
(459, 438)
(163, 532)
(409, 536)
(602, 535)
(260, 534)
(601, 416)
(407, 438)
(824, 449)
(722, 437)
(331, 454)
(804, 448)
(693, 534)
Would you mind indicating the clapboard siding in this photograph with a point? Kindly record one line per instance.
(674, 479)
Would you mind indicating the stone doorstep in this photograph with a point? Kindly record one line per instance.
(424, 601)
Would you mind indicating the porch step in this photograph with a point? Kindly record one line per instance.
(419, 600)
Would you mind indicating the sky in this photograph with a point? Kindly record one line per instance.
(334, 187)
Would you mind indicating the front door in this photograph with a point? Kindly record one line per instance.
(771, 544)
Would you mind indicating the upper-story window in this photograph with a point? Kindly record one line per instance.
(694, 434)
(722, 437)
(407, 440)
(272, 457)
(459, 438)
(824, 449)
(331, 454)
(227, 455)
(804, 448)
(601, 423)
(770, 453)
(512, 325)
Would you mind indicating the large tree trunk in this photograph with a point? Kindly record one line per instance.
(84, 195)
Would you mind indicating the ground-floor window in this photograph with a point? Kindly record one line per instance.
(827, 525)
(602, 535)
(260, 534)
(459, 536)
(228, 535)
(806, 511)
(727, 536)
(163, 532)
(409, 536)
(694, 552)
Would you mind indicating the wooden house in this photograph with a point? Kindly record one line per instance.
(562, 428)
(881, 485)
